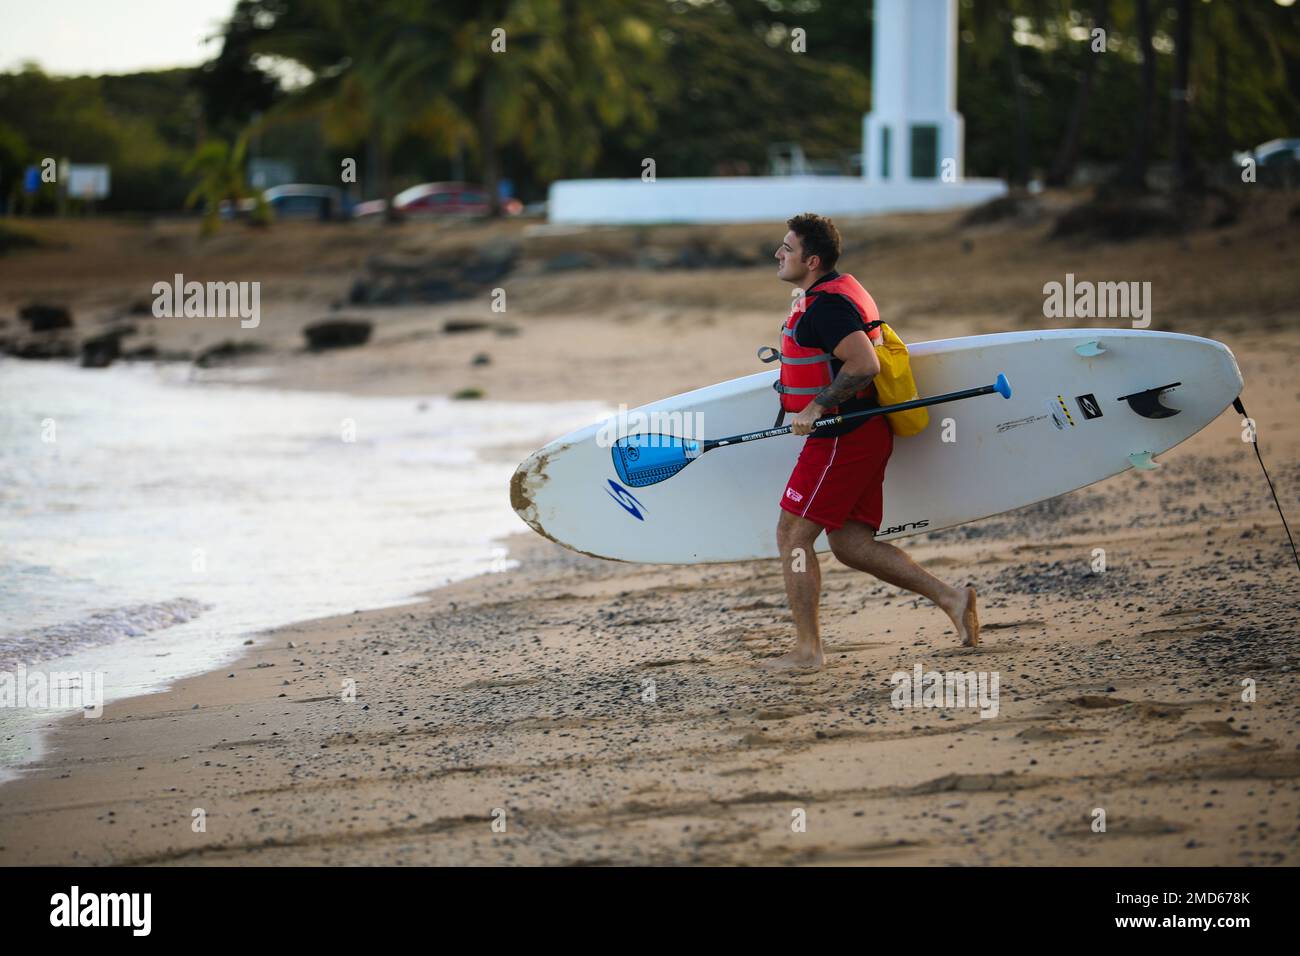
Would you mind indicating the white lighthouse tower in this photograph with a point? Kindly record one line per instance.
(912, 147)
(913, 133)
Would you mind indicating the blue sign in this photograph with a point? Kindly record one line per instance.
(31, 179)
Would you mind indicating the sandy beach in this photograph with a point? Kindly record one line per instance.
(576, 711)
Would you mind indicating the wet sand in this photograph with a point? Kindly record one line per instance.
(605, 713)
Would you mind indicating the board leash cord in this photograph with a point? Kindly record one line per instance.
(1241, 409)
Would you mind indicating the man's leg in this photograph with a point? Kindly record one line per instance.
(855, 544)
(795, 537)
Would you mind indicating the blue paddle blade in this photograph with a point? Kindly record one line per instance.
(1002, 386)
(642, 460)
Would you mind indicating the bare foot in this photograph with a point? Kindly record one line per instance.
(967, 621)
(798, 659)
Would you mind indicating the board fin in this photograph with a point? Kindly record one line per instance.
(1147, 403)
(1089, 349)
(1142, 461)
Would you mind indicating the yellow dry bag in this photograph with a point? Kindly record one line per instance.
(894, 384)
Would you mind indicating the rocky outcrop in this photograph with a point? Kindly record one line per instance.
(398, 280)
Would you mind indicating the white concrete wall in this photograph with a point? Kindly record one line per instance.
(753, 199)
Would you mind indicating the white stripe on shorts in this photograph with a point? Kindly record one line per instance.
(834, 448)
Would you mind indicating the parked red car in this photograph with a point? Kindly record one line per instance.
(439, 199)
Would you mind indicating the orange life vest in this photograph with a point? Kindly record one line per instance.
(806, 371)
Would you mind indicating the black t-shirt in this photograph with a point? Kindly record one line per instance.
(828, 320)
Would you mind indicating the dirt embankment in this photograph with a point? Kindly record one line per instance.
(629, 313)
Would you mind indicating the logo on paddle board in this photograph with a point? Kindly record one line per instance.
(1088, 405)
(910, 526)
(627, 501)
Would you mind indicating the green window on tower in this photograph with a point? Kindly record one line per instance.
(884, 152)
(925, 151)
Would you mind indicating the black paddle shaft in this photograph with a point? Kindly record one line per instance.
(867, 413)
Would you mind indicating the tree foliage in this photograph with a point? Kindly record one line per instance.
(416, 91)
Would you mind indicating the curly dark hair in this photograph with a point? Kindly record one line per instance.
(818, 235)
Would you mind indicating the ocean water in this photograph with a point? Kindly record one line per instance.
(150, 523)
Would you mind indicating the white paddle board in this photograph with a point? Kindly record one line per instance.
(1067, 424)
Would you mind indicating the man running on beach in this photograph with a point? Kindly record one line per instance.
(838, 481)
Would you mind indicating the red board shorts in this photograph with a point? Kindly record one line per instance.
(842, 479)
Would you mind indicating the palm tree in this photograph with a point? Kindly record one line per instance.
(360, 56)
(220, 167)
(383, 69)
(568, 70)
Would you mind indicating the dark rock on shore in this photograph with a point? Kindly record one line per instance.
(337, 333)
(46, 318)
(456, 326)
(100, 351)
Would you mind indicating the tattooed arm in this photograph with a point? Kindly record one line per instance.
(860, 366)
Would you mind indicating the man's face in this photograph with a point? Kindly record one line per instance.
(789, 254)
